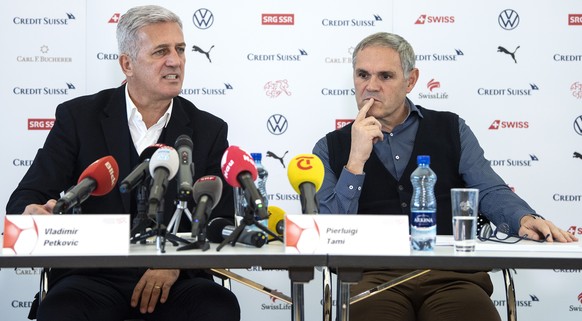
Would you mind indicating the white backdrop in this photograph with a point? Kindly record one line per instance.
(295, 76)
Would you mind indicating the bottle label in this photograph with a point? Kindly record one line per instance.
(423, 230)
(423, 219)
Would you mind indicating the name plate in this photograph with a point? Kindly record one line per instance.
(66, 234)
(347, 234)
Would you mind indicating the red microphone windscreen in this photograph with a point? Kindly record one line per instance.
(105, 172)
(236, 161)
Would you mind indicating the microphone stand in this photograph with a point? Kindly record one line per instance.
(160, 232)
(182, 207)
(248, 219)
(141, 221)
(201, 242)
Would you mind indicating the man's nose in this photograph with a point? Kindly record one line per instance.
(174, 59)
(373, 84)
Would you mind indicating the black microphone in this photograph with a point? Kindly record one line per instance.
(97, 179)
(220, 228)
(207, 192)
(141, 171)
(163, 167)
(184, 147)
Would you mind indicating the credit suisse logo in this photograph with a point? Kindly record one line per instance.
(429, 19)
(354, 22)
(337, 92)
(40, 123)
(524, 91)
(527, 303)
(286, 19)
(440, 57)
(557, 197)
(504, 124)
(510, 162)
(575, 19)
(45, 21)
(264, 57)
(37, 91)
(208, 91)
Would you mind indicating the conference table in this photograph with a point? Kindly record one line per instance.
(299, 266)
(349, 267)
(488, 256)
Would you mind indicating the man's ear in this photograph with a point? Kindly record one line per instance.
(126, 65)
(412, 78)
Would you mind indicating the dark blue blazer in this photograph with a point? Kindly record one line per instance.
(90, 127)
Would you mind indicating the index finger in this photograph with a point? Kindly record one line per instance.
(364, 110)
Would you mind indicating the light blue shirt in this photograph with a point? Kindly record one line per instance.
(496, 200)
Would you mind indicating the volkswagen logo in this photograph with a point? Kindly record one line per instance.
(508, 19)
(203, 18)
(578, 125)
(277, 124)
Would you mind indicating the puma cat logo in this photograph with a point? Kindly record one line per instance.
(512, 54)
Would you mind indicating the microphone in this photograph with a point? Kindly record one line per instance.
(239, 170)
(97, 179)
(220, 228)
(276, 222)
(163, 167)
(141, 171)
(184, 147)
(207, 192)
(305, 172)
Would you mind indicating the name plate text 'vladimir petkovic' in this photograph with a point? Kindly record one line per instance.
(66, 234)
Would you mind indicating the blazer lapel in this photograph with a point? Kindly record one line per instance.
(118, 138)
(178, 124)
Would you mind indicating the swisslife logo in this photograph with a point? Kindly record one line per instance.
(578, 307)
(430, 19)
(505, 124)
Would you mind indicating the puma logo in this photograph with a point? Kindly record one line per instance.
(512, 54)
(577, 155)
(271, 154)
(206, 53)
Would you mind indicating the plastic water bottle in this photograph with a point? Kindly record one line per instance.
(261, 182)
(423, 206)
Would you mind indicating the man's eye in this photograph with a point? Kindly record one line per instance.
(160, 52)
(385, 76)
(363, 75)
(181, 49)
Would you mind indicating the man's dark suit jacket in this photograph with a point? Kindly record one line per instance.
(90, 127)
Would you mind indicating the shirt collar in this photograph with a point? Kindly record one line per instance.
(412, 108)
(133, 112)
